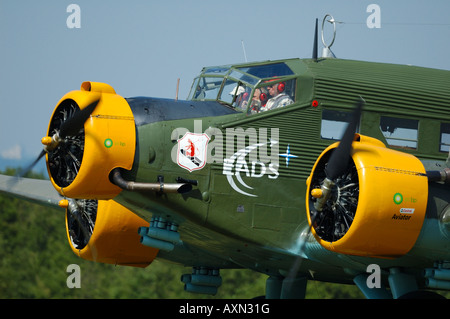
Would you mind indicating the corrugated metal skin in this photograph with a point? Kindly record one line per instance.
(385, 87)
(299, 127)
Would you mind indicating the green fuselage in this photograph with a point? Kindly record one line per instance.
(247, 206)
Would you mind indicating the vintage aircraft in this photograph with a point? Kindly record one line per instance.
(248, 173)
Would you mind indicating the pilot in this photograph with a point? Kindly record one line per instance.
(278, 97)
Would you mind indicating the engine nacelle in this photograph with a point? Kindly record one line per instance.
(376, 208)
(80, 164)
(106, 232)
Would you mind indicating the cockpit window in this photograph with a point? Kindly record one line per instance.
(236, 94)
(217, 70)
(244, 77)
(251, 88)
(268, 70)
(272, 94)
(206, 88)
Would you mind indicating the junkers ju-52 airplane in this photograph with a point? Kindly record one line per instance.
(301, 169)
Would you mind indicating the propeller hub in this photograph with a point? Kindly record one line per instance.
(317, 193)
(50, 143)
(325, 192)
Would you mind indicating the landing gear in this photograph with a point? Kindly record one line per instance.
(286, 288)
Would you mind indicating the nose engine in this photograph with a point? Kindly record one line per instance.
(376, 205)
(91, 132)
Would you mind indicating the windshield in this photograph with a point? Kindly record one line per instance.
(248, 88)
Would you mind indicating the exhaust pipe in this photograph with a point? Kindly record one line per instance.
(161, 187)
(439, 176)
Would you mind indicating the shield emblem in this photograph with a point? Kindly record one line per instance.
(192, 151)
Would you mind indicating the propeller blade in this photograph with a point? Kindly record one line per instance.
(339, 159)
(73, 125)
(30, 167)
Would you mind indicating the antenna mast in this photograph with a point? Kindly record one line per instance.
(243, 49)
(178, 87)
(315, 44)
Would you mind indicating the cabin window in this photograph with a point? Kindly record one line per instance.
(444, 144)
(334, 124)
(400, 132)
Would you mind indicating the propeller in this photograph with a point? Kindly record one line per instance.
(74, 124)
(70, 127)
(337, 166)
(25, 171)
(81, 219)
(339, 159)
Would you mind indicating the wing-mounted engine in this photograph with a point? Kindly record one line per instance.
(375, 205)
(91, 132)
(106, 232)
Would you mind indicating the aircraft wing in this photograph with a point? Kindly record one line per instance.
(34, 190)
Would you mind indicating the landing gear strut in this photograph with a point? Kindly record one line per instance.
(286, 288)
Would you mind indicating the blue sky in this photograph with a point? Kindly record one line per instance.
(142, 47)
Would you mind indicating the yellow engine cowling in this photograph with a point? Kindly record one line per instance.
(109, 236)
(391, 201)
(109, 142)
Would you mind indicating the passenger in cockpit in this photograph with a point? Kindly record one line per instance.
(278, 97)
(255, 105)
(241, 97)
(259, 100)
